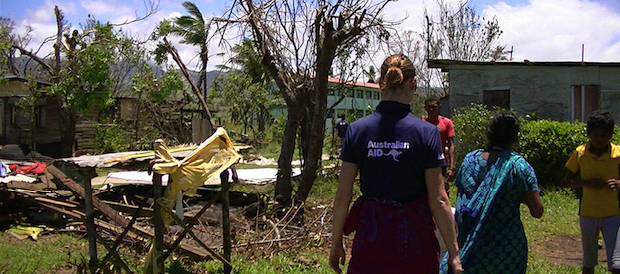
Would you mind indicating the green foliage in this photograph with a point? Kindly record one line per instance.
(148, 87)
(110, 137)
(417, 105)
(86, 79)
(469, 128)
(242, 94)
(47, 256)
(247, 90)
(545, 144)
(278, 128)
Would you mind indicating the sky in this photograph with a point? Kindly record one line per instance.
(536, 30)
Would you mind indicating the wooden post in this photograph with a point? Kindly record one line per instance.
(90, 220)
(158, 223)
(226, 221)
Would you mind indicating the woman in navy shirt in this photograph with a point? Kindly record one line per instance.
(400, 159)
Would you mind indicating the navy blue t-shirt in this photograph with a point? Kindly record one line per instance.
(392, 148)
(341, 128)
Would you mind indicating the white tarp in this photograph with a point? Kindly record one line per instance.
(250, 176)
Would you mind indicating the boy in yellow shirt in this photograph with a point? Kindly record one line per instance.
(594, 168)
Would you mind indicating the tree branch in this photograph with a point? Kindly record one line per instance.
(28, 53)
(185, 71)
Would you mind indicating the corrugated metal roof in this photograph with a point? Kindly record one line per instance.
(357, 84)
(22, 79)
(445, 64)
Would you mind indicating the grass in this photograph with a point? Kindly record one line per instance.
(559, 220)
(48, 255)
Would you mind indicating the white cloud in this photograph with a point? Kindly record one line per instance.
(105, 8)
(42, 23)
(554, 30)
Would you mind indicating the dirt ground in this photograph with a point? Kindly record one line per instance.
(564, 250)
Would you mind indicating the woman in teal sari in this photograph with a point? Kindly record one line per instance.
(491, 184)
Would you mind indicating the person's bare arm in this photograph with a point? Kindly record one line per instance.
(533, 202)
(442, 213)
(451, 167)
(573, 181)
(342, 199)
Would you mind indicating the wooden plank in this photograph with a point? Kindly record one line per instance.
(190, 232)
(55, 202)
(158, 224)
(190, 223)
(119, 261)
(113, 214)
(226, 221)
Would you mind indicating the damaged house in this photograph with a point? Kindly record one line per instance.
(562, 91)
(29, 123)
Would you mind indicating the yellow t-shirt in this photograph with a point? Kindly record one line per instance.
(601, 202)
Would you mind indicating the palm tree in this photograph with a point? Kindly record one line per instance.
(194, 31)
(371, 74)
(248, 62)
(246, 57)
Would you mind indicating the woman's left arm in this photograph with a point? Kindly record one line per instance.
(532, 195)
(532, 200)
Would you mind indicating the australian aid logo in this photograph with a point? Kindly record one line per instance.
(386, 149)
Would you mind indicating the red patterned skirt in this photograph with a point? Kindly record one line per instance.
(392, 237)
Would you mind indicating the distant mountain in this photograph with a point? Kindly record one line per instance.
(29, 67)
(210, 76)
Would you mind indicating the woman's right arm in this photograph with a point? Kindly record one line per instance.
(342, 199)
(440, 208)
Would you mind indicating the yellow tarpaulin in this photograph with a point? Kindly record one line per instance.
(211, 158)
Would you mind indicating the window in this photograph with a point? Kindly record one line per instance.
(359, 94)
(39, 116)
(497, 98)
(375, 96)
(368, 95)
(585, 100)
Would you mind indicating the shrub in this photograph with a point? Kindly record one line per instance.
(110, 137)
(545, 144)
(469, 127)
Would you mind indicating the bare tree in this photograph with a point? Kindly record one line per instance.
(456, 32)
(297, 42)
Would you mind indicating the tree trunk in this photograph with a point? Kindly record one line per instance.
(67, 132)
(317, 123)
(284, 187)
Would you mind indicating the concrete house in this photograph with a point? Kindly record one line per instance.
(563, 91)
(357, 98)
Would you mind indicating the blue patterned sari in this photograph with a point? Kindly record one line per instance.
(491, 236)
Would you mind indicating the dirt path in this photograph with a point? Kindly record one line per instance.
(564, 250)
